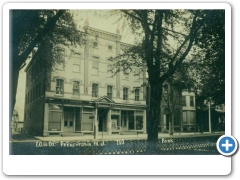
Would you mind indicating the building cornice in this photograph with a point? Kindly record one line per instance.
(102, 34)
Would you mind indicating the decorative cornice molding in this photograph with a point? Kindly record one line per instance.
(102, 34)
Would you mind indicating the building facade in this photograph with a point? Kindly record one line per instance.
(82, 95)
(178, 109)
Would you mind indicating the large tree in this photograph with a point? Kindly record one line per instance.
(31, 28)
(167, 38)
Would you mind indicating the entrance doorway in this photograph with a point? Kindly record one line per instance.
(68, 119)
(102, 120)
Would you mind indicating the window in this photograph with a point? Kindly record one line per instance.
(76, 88)
(54, 123)
(192, 116)
(139, 122)
(27, 81)
(95, 44)
(184, 116)
(136, 75)
(110, 69)
(95, 65)
(183, 100)
(59, 86)
(125, 93)
(126, 74)
(109, 92)
(94, 90)
(59, 65)
(191, 101)
(110, 48)
(137, 94)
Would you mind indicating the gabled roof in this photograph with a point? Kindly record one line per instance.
(103, 99)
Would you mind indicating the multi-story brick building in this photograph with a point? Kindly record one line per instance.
(82, 96)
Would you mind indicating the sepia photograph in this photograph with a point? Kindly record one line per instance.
(136, 82)
(127, 81)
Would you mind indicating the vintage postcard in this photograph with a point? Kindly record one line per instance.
(114, 84)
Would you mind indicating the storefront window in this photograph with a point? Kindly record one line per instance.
(139, 122)
(54, 123)
(87, 121)
(115, 120)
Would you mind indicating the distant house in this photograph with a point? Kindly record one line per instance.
(178, 108)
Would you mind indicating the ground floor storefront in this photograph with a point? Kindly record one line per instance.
(102, 115)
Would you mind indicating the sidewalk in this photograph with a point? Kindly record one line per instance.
(20, 137)
(122, 137)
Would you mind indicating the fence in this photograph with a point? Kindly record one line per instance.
(204, 145)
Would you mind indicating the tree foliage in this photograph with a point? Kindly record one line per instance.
(205, 69)
(165, 40)
(32, 28)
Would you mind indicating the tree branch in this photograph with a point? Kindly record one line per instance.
(49, 26)
(191, 36)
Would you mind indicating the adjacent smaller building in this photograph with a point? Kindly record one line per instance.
(178, 109)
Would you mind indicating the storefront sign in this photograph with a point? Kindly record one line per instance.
(63, 101)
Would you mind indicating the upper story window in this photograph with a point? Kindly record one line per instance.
(183, 100)
(136, 74)
(191, 101)
(94, 90)
(137, 94)
(27, 80)
(109, 92)
(95, 65)
(109, 47)
(125, 93)
(76, 88)
(95, 44)
(126, 74)
(59, 65)
(59, 86)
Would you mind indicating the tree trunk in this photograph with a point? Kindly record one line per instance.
(153, 117)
